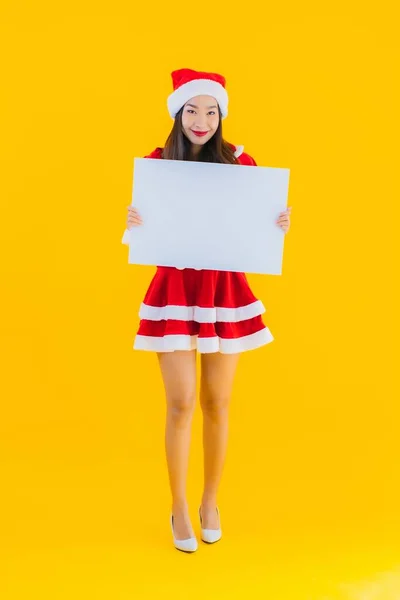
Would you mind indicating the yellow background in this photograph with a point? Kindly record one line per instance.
(310, 495)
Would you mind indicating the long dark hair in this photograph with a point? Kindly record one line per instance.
(178, 147)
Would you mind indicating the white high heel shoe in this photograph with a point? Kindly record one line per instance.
(210, 535)
(187, 545)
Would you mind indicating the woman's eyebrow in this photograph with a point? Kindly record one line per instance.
(194, 106)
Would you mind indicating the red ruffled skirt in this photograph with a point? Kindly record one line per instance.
(211, 311)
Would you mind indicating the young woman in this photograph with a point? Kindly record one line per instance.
(189, 310)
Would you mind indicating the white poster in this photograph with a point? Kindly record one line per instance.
(208, 216)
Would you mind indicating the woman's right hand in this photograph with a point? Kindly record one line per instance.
(134, 218)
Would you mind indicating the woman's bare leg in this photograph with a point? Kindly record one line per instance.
(217, 377)
(178, 370)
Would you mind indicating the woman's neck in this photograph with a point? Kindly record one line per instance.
(195, 150)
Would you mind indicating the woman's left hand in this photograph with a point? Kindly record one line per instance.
(284, 220)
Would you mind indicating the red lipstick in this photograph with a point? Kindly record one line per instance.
(199, 133)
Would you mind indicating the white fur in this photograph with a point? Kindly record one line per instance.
(198, 87)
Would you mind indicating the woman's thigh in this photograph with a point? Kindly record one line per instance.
(178, 370)
(217, 377)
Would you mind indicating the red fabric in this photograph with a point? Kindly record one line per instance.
(182, 76)
(157, 153)
(246, 159)
(204, 289)
(228, 331)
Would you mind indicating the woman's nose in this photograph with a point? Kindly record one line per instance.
(201, 122)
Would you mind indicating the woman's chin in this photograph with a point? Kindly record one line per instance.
(202, 141)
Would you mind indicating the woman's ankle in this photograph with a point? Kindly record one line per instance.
(180, 506)
(209, 502)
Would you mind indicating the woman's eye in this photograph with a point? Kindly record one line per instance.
(212, 112)
(190, 110)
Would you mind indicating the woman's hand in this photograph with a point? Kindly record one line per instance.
(284, 220)
(134, 218)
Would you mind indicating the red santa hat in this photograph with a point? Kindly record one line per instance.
(188, 84)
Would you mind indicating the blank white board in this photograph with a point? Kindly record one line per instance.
(208, 216)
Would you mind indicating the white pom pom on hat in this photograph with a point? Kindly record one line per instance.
(188, 83)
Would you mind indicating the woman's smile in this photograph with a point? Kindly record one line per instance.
(199, 133)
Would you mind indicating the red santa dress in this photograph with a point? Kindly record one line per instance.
(207, 310)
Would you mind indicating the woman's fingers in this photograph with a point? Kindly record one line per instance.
(286, 212)
(133, 216)
(284, 216)
(283, 220)
(132, 210)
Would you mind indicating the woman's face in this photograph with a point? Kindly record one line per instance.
(200, 119)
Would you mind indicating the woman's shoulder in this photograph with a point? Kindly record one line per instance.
(246, 159)
(157, 153)
(242, 156)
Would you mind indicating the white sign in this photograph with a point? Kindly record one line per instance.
(208, 216)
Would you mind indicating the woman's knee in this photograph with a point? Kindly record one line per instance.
(181, 407)
(215, 405)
